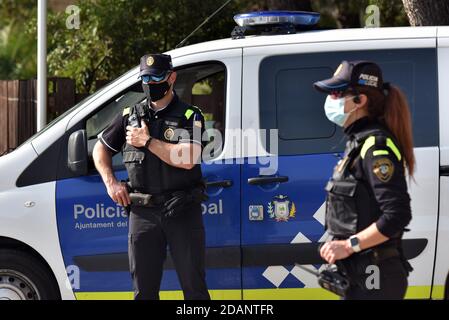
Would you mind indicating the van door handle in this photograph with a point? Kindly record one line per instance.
(444, 171)
(266, 180)
(219, 184)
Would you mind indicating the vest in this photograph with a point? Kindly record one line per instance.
(350, 204)
(149, 174)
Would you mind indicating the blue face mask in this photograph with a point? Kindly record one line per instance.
(335, 110)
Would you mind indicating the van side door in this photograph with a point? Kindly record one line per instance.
(94, 231)
(284, 219)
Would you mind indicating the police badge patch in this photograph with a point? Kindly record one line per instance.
(150, 61)
(281, 208)
(383, 169)
(169, 133)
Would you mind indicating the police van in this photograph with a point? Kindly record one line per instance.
(61, 236)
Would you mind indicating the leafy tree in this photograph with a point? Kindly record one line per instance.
(18, 42)
(351, 14)
(114, 34)
(13, 11)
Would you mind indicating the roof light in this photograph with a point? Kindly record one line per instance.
(262, 18)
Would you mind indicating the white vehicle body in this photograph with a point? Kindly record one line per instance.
(29, 214)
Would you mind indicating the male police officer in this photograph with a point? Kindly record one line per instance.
(165, 191)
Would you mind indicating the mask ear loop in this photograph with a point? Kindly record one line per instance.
(356, 100)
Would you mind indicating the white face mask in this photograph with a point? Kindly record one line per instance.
(335, 110)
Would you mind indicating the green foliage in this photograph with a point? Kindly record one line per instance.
(351, 14)
(392, 13)
(18, 42)
(16, 11)
(114, 34)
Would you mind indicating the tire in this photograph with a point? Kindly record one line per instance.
(24, 277)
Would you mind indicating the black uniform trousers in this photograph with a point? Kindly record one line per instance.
(149, 235)
(392, 280)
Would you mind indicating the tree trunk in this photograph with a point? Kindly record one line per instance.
(427, 12)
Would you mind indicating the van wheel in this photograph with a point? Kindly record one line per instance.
(23, 277)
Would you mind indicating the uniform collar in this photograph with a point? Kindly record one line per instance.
(360, 125)
(167, 107)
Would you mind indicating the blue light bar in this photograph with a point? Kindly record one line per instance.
(260, 18)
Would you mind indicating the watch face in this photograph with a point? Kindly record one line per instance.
(354, 242)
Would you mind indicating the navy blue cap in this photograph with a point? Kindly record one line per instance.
(352, 74)
(155, 64)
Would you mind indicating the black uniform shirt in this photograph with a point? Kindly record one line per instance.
(114, 136)
(164, 125)
(381, 168)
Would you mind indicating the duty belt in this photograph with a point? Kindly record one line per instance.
(148, 200)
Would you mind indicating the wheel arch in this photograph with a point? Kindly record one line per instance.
(9, 243)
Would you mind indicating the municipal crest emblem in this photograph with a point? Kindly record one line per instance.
(281, 208)
(255, 213)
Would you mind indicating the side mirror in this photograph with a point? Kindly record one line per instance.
(77, 153)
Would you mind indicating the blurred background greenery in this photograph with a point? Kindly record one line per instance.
(114, 34)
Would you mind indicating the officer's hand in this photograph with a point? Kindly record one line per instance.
(119, 193)
(137, 137)
(335, 250)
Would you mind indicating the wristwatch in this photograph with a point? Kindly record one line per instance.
(355, 244)
(147, 144)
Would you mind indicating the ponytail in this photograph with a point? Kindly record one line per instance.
(391, 108)
(398, 120)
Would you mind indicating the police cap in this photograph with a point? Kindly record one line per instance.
(155, 64)
(352, 74)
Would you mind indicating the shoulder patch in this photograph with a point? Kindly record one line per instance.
(126, 111)
(383, 169)
(189, 113)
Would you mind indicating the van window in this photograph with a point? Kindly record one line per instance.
(289, 103)
(99, 121)
(204, 86)
(298, 116)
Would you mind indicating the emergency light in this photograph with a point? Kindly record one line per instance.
(273, 22)
(297, 18)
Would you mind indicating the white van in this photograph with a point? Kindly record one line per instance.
(61, 236)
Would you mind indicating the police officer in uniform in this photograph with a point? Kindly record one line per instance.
(161, 141)
(368, 205)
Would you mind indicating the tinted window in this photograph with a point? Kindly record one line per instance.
(294, 97)
(204, 85)
(289, 103)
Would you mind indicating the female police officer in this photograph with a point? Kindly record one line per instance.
(368, 205)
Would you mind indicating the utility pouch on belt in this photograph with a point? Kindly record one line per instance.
(140, 199)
